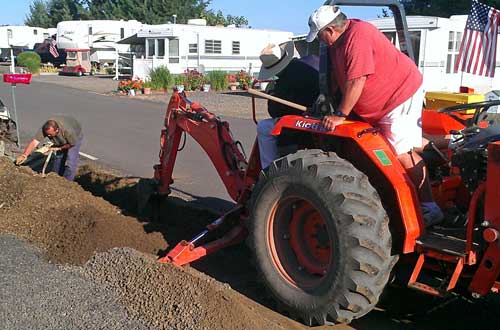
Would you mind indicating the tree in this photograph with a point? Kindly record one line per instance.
(38, 15)
(442, 8)
(219, 19)
(49, 13)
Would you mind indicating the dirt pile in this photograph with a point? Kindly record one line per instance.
(73, 226)
(67, 222)
(171, 298)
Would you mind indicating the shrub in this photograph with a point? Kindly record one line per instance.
(194, 79)
(179, 79)
(160, 78)
(31, 60)
(217, 80)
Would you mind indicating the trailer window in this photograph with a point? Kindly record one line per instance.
(454, 41)
(150, 46)
(35, 32)
(213, 47)
(122, 33)
(161, 47)
(415, 44)
(173, 51)
(9, 34)
(391, 36)
(71, 55)
(85, 56)
(236, 47)
(193, 48)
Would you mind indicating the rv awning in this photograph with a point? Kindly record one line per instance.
(132, 40)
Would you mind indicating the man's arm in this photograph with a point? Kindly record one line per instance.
(29, 149)
(62, 148)
(353, 90)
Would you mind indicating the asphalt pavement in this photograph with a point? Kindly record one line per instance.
(124, 133)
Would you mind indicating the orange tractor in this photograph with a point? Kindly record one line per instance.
(331, 223)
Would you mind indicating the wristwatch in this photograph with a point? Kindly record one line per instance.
(339, 114)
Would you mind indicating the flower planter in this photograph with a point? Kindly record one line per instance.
(131, 92)
(147, 90)
(206, 88)
(232, 87)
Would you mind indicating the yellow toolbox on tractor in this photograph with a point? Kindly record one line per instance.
(438, 100)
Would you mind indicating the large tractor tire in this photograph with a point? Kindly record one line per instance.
(320, 238)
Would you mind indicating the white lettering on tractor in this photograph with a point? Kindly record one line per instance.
(312, 126)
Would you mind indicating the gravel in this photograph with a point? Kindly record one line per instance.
(35, 294)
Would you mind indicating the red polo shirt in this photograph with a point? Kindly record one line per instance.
(392, 77)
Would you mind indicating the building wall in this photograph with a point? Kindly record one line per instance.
(178, 59)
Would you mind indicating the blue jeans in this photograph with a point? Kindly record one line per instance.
(66, 163)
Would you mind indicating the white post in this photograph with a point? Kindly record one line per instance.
(199, 50)
(116, 65)
(12, 63)
(14, 107)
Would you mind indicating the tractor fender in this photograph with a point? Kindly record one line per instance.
(399, 191)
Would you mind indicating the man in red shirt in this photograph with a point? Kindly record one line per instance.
(381, 85)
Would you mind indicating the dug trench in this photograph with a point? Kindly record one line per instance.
(91, 227)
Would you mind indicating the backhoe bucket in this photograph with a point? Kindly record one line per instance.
(146, 189)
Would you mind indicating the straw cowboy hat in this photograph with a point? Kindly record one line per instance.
(276, 58)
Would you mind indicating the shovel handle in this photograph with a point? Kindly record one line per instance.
(46, 163)
(277, 99)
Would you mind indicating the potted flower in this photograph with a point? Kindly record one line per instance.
(205, 84)
(232, 82)
(179, 81)
(244, 79)
(147, 88)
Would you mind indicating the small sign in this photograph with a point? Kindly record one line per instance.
(382, 157)
(17, 78)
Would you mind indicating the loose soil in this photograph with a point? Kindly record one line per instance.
(95, 238)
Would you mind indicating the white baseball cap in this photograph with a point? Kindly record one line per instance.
(320, 18)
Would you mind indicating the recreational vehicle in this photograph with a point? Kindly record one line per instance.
(197, 46)
(20, 38)
(436, 42)
(100, 36)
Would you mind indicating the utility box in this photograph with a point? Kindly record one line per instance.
(493, 96)
(439, 100)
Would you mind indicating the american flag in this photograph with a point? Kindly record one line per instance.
(478, 51)
(53, 48)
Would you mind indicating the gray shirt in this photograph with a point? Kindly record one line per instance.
(70, 131)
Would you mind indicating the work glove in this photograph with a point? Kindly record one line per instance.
(20, 159)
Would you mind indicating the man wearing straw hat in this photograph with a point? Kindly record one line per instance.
(297, 82)
(381, 85)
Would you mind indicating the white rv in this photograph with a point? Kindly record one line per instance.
(436, 42)
(20, 38)
(99, 36)
(197, 46)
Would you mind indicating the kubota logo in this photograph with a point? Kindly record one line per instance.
(312, 126)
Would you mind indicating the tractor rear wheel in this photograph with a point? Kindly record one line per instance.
(320, 238)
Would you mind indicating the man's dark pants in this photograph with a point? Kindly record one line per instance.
(66, 163)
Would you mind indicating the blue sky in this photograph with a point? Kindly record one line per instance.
(289, 15)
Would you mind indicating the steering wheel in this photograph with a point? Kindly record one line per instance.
(479, 108)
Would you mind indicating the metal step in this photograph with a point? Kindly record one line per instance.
(451, 242)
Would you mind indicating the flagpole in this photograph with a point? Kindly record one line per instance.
(462, 79)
